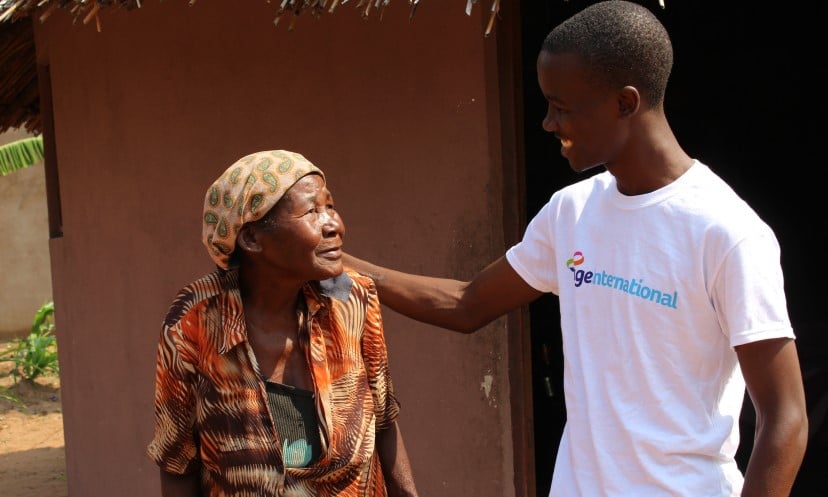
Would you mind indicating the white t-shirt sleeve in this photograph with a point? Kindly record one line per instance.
(533, 258)
(748, 291)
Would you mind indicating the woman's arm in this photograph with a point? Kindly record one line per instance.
(173, 447)
(180, 485)
(399, 481)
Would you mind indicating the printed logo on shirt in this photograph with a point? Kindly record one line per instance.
(631, 286)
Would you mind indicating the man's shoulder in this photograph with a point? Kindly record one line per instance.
(719, 205)
(581, 191)
(596, 183)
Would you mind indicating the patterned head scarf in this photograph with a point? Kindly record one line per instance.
(245, 192)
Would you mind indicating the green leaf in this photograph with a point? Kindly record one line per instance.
(20, 154)
(36, 354)
(42, 319)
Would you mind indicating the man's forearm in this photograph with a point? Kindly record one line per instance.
(774, 382)
(777, 454)
(452, 304)
(435, 301)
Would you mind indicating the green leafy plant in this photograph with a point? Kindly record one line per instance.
(36, 354)
(7, 394)
(20, 154)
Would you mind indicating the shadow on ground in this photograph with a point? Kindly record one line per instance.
(34, 473)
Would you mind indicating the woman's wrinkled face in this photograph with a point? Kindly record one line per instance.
(302, 235)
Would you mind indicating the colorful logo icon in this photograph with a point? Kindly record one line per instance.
(576, 260)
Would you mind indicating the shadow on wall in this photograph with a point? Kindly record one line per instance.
(25, 264)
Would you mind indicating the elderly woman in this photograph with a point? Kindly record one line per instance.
(272, 375)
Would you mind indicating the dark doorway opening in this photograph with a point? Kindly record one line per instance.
(745, 98)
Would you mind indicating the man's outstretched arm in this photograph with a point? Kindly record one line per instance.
(463, 306)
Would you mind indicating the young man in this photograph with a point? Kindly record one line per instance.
(670, 286)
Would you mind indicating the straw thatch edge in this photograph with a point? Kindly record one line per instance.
(19, 93)
(88, 11)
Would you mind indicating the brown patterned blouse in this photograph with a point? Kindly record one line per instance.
(211, 408)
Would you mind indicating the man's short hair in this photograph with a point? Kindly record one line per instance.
(623, 43)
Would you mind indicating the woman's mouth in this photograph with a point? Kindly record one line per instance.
(332, 253)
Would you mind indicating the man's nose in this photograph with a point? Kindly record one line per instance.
(549, 123)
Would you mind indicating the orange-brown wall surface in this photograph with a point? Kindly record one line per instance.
(402, 118)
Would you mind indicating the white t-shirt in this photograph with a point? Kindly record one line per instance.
(655, 291)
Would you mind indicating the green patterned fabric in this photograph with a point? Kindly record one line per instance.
(20, 154)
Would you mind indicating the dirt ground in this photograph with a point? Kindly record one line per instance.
(32, 458)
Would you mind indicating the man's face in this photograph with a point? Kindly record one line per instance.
(582, 112)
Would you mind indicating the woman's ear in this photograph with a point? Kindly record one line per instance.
(629, 100)
(248, 239)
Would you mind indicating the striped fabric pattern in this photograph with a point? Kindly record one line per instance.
(211, 408)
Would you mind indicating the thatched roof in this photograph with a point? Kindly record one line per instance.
(88, 10)
(19, 95)
(19, 98)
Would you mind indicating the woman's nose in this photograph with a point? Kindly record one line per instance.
(332, 224)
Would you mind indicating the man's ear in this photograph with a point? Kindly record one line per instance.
(248, 239)
(629, 100)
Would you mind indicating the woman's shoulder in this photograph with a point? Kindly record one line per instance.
(363, 284)
(349, 287)
(358, 278)
(199, 292)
